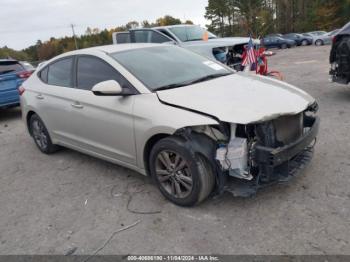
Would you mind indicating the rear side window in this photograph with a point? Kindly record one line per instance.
(60, 73)
(92, 70)
(10, 67)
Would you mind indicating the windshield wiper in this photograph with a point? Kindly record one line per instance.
(206, 78)
(171, 86)
(191, 82)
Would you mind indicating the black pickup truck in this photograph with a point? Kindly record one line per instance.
(340, 56)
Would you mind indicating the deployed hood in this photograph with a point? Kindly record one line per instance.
(219, 42)
(240, 98)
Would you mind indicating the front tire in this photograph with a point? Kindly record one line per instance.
(284, 46)
(41, 136)
(183, 177)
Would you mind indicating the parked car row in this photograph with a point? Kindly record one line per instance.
(317, 38)
(12, 75)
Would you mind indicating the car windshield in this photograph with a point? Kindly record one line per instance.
(190, 33)
(165, 67)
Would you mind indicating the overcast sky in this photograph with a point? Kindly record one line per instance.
(24, 22)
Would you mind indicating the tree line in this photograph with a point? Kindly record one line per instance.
(92, 37)
(226, 17)
(261, 17)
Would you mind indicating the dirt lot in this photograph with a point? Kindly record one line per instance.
(51, 204)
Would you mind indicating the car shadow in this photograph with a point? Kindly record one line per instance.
(341, 95)
(10, 114)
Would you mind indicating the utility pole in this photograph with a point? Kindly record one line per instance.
(75, 39)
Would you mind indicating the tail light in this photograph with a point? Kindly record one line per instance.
(24, 74)
(334, 39)
(21, 90)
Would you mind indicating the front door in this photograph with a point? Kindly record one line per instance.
(104, 124)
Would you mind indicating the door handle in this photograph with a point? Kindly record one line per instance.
(77, 105)
(40, 96)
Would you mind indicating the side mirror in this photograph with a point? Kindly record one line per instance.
(107, 88)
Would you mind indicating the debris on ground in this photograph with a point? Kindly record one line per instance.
(71, 251)
(110, 238)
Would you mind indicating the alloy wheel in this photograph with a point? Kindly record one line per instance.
(174, 174)
(39, 134)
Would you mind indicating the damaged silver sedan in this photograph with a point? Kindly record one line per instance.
(197, 127)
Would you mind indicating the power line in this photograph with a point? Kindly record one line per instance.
(75, 39)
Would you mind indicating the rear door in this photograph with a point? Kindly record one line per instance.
(53, 99)
(9, 82)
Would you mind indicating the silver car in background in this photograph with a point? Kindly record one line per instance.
(192, 124)
(321, 37)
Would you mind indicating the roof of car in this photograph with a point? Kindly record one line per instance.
(115, 48)
(108, 49)
(8, 60)
(173, 26)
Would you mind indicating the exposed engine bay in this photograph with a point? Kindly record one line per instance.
(249, 157)
(230, 55)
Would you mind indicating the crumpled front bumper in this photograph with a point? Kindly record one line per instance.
(278, 165)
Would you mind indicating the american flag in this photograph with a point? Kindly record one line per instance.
(250, 57)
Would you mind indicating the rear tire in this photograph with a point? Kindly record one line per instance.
(319, 42)
(304, 43)
(41, 136)
(184, 178)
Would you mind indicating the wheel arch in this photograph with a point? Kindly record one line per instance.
(148, 147)
(199, 143)
(30, 113)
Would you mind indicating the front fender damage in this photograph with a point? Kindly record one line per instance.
(199, 143)
(246, 158)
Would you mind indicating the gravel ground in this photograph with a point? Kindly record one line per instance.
(51, 204)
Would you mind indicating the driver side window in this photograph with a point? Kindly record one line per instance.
(150, 36)
(92, 70)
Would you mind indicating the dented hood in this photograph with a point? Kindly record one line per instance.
(240, 98)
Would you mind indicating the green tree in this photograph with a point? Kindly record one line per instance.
(6, 52)
(168, 20)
